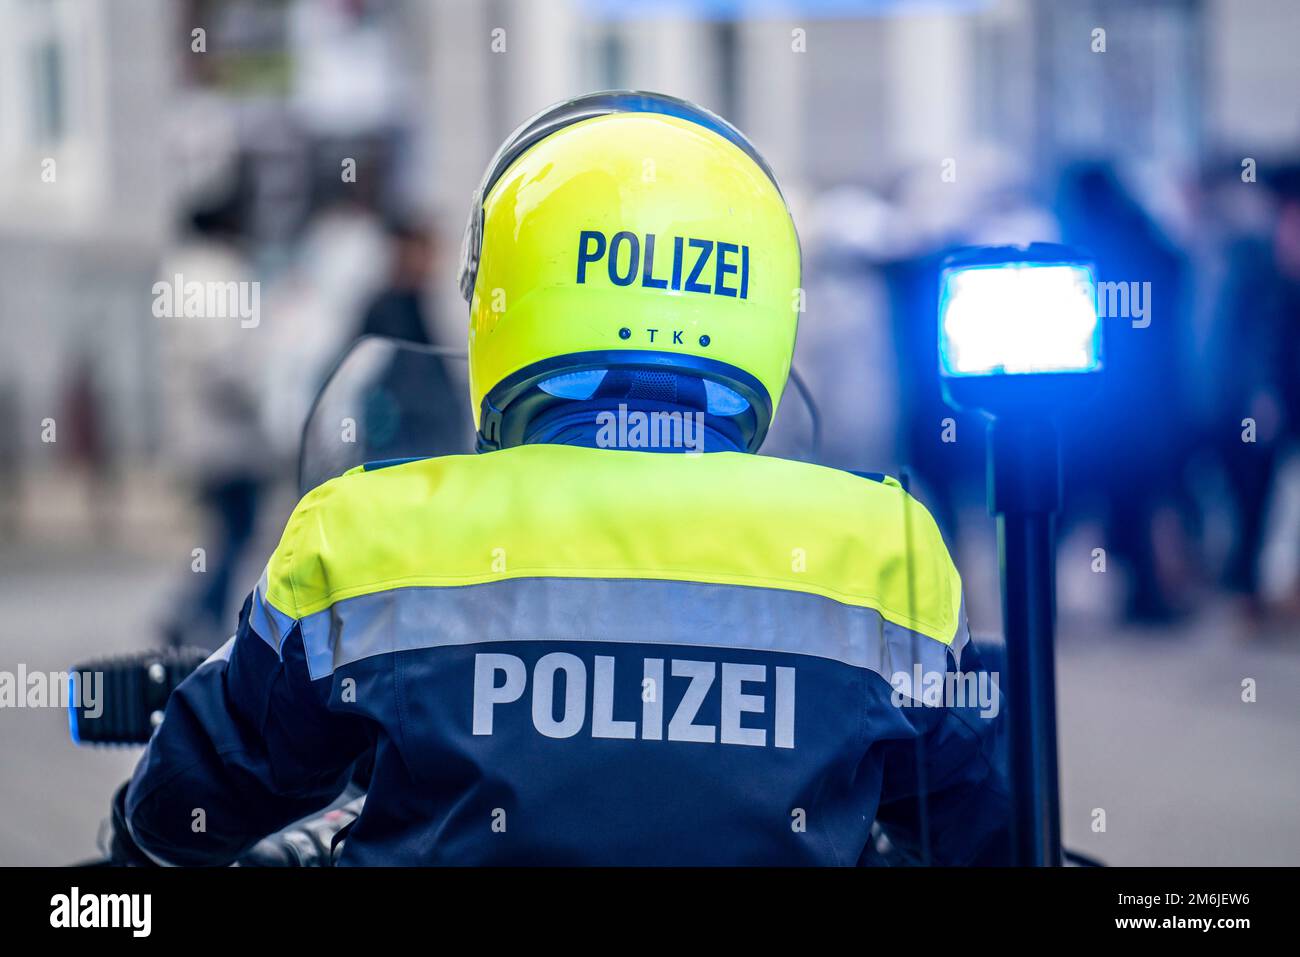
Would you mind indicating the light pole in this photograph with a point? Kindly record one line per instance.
(1019, 341)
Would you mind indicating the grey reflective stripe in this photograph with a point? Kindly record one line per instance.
(270, 624)
(222, 653)
(962, 638)
(641, 611)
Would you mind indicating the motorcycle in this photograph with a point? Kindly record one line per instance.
(384, 400)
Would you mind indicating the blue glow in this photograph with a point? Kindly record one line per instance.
(1018, 318)
(72, 708)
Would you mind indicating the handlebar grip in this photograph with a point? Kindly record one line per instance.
(120, 700)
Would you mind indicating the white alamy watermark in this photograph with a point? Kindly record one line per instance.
(1125, 300)
(75, 909)
(178, 298)
(946, 689)
(650, 430)
(53, 689)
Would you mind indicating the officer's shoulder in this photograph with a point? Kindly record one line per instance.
(378, 484)
(878, 477)
(848, 481)
(876, 486)
(819, 489)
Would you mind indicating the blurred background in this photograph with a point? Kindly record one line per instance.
(327, 150)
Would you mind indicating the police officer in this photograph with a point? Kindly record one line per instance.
(573, 648)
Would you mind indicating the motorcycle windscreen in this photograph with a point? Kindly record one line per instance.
(386, 399)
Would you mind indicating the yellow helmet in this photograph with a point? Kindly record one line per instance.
(634, 234)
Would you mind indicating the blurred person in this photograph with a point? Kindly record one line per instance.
(398, 309)
(212, 410)
(1243, 348)
(1130, 446)
(580, 647)
(1286, 371)
(1288, 357)
(1255, 374)
(88, 448)
(337, 269)
(399, 312)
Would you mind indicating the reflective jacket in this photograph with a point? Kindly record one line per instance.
(564, 655)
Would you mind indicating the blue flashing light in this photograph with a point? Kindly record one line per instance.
(1018, 318)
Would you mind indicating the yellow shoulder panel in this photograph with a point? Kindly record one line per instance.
(561, 511)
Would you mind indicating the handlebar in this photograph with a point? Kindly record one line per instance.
(133, 692)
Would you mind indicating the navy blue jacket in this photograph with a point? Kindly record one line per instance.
(557, 655)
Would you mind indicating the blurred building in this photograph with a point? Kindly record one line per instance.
(132, 122)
